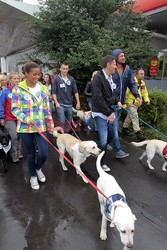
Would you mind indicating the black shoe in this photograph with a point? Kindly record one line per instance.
(125, 131)
(140, 137)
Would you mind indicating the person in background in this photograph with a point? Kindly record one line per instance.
(133, 104)
(48, 83)
(123, 77)
(103, 99)
(3, 81)
(63, 88)
(30, 105)
(88, 90)
(90, 123)
(8, 120)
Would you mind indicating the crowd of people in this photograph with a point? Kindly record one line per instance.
(27, 103)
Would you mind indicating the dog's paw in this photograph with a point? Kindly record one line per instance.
(103, 236)
(151, 168)
(112, 224)
(65, 169)
(85, 180)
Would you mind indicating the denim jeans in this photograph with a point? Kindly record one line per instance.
(33, 141)
(107, 132)
(64, 115)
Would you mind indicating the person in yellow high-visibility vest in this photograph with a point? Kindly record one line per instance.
(132, 105)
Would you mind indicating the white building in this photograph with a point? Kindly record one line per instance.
(14, 40)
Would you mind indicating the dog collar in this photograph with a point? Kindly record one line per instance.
(7, 148)
(75, 147)
(109, 208)
(165, 153)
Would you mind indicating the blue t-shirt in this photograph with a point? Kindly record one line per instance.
(64, 90)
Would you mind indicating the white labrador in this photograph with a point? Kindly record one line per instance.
(115, 208)
(152, 147)
(78, 150)
(82, 115)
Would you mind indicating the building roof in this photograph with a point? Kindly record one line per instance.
(13, 27)
(157, 11)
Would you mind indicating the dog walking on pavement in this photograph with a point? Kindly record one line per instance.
(115, 208)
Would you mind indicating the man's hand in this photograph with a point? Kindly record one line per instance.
(139, 101)
(78, 105)
(119, 105)
(2, 122)
(57, 104)
(111, 118)
(148, 103)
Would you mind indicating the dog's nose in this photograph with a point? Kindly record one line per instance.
(130, 245)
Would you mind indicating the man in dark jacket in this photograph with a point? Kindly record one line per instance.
(103, 99)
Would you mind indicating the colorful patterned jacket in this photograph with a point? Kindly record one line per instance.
(25, 107)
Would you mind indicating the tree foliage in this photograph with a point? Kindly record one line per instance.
(83, 31)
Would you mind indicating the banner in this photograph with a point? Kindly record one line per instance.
(154, 66)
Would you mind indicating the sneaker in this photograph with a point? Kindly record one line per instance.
(140, 137)
(121, 154)
(19, 154)
(109, 147)
(40, 175)
(34, 183)
(105, 168)
(15, 159)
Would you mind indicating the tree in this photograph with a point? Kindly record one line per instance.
(82, 31)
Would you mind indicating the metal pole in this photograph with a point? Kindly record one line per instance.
(163, 69)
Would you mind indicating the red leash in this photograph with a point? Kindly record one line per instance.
(60, 153)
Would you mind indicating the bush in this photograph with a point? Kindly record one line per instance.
(155, 115)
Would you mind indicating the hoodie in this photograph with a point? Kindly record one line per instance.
(125, 80)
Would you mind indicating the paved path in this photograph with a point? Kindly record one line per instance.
(64, 214)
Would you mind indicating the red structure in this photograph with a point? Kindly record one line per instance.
(149, 5)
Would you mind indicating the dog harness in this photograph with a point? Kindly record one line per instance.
(76, 149)
(165, 153)
(109, 208)
(7, 148)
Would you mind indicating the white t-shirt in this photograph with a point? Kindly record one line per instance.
(36, 92)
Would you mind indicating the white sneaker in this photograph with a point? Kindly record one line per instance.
(40, 175)
(105, 168)
(109, 147)
(34, 183)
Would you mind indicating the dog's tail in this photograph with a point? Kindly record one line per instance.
(98, 163)
(56, 129)
(74, 110)
(139, 144)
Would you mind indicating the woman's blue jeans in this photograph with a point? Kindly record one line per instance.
(64, 115)
(32, 142)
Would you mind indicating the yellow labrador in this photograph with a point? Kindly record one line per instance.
(78, 150)
(153, 147)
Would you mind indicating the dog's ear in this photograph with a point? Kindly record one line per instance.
(134, 217)
(82, 147)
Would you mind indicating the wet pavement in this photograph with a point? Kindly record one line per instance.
(64, 214)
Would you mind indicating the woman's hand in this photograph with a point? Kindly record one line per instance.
(31, 123)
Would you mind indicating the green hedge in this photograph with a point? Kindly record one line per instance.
(154, 114)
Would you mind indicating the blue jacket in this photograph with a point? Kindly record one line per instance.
(124, 81)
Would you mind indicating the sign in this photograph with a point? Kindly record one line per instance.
(154, 66)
